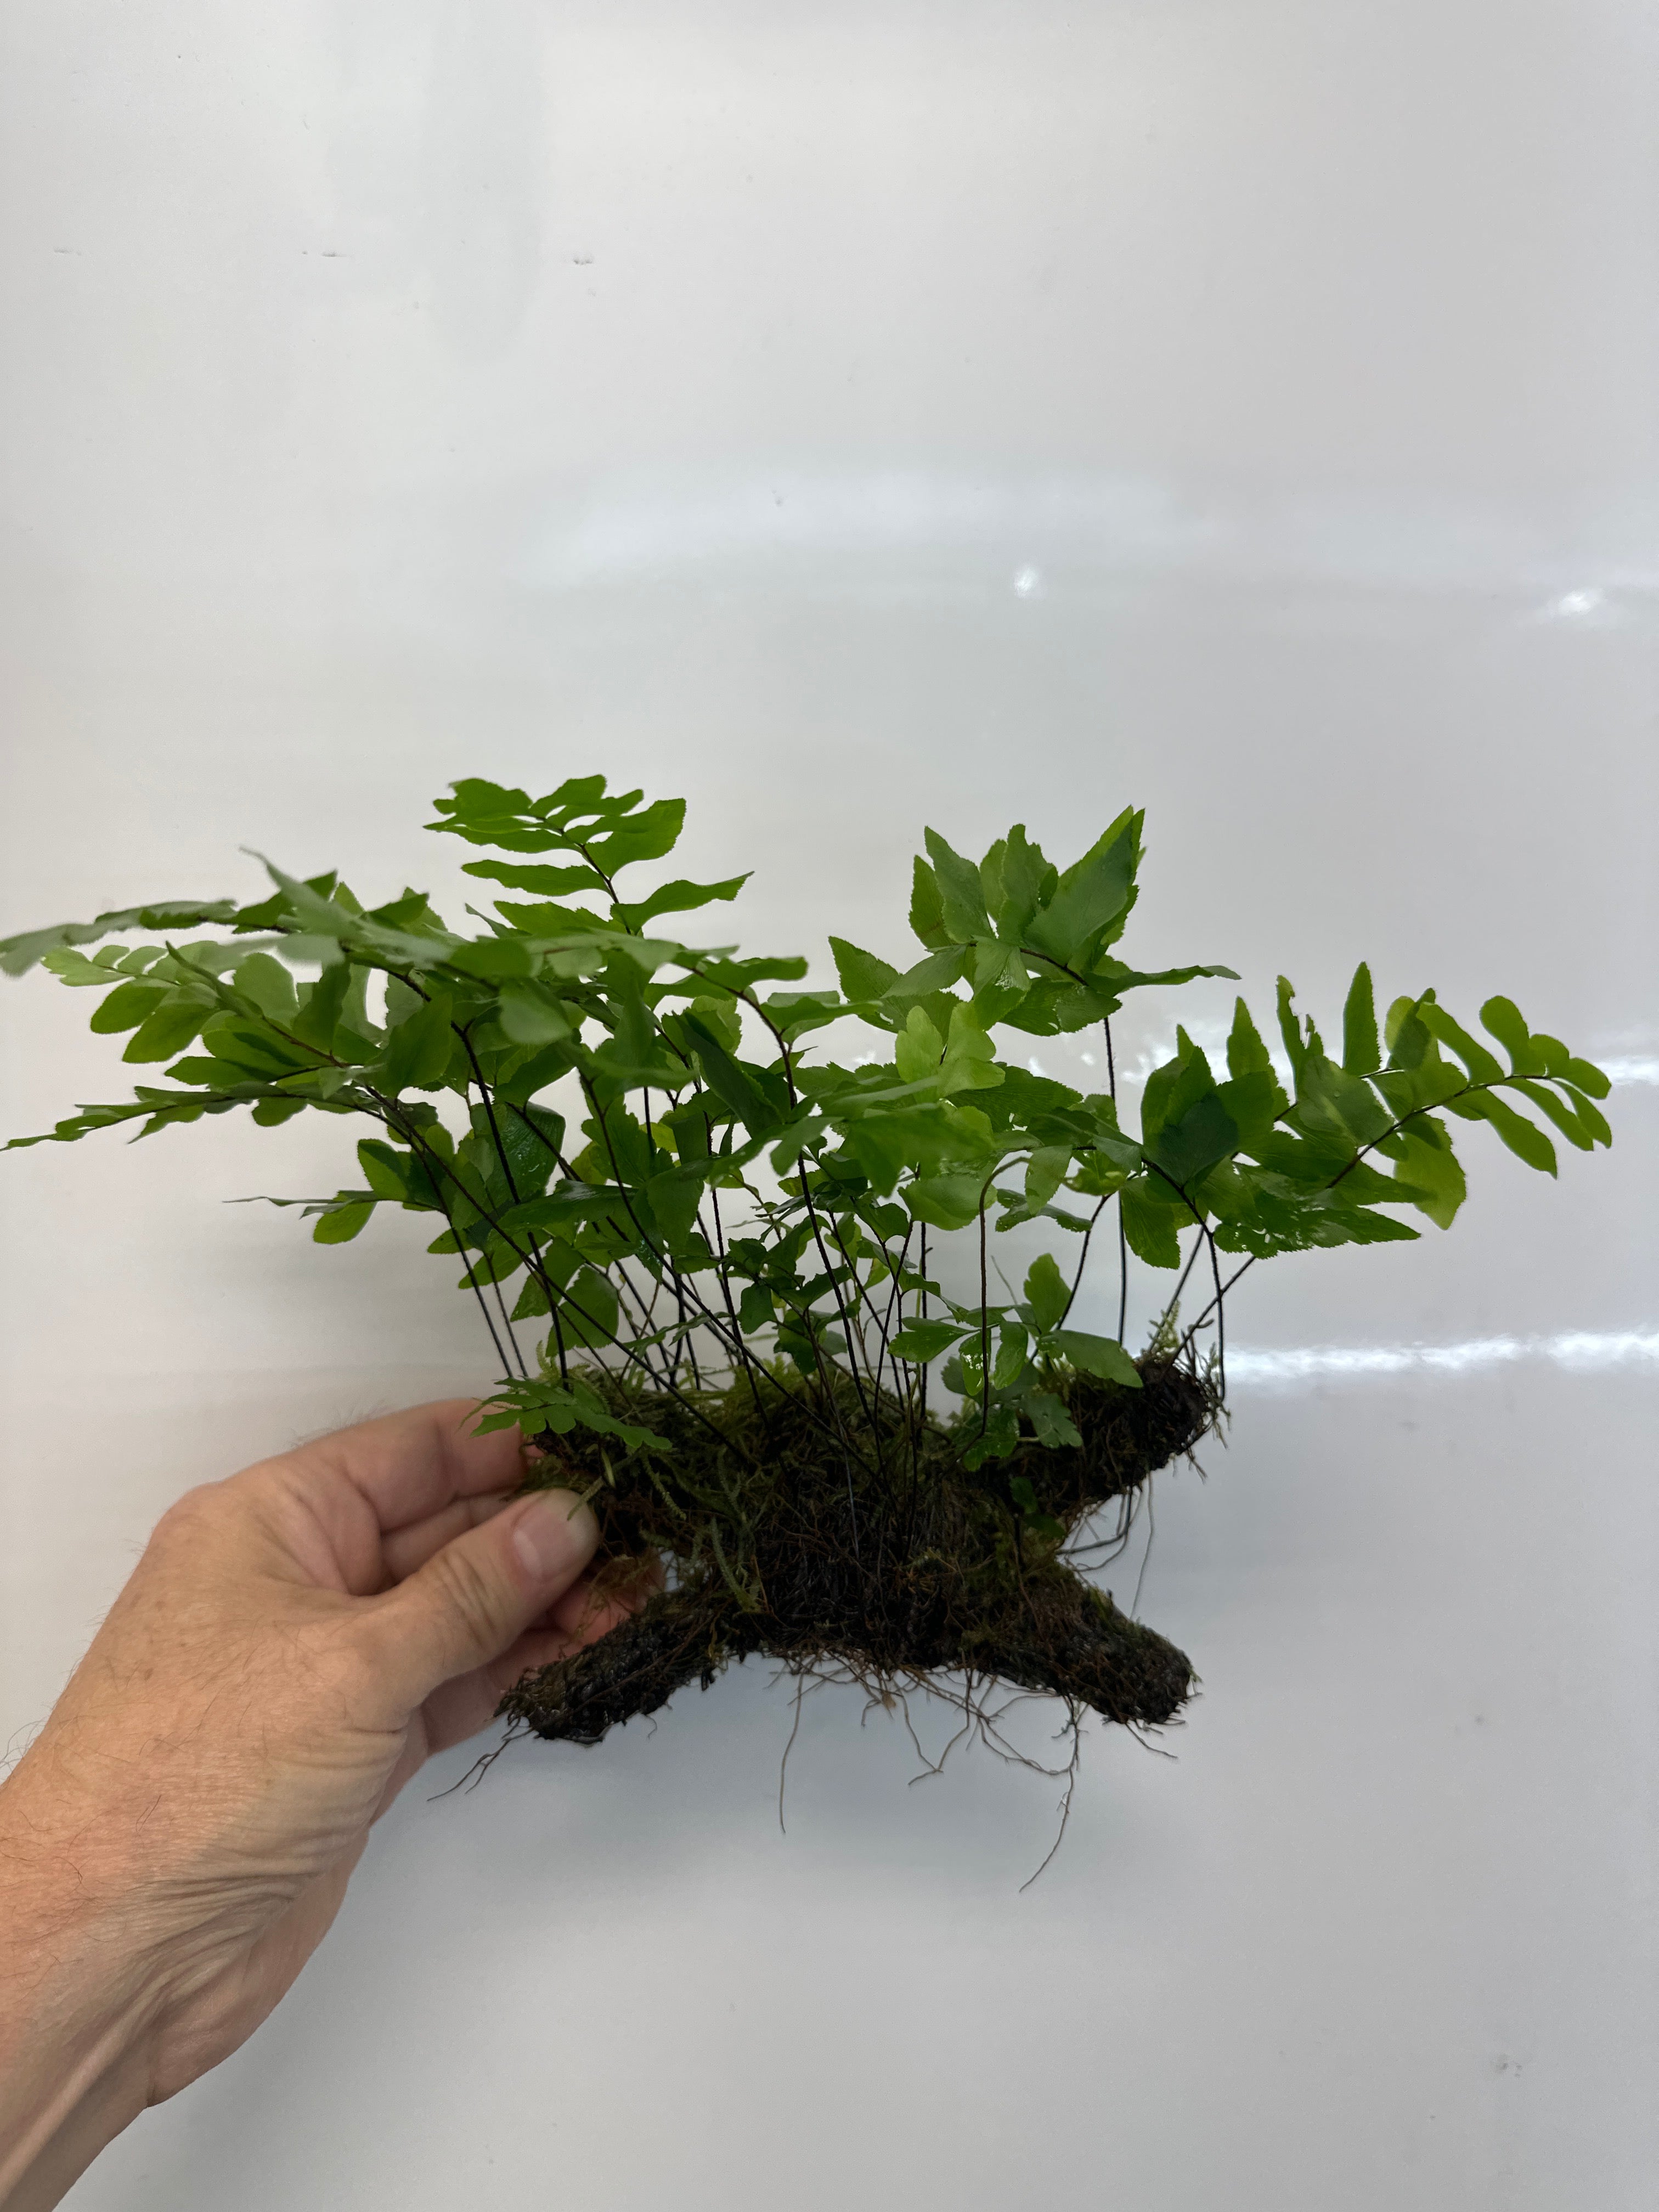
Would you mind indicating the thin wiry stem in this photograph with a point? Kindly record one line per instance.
(630, 1352)
(786, 1062)
(705, 1312)
(507, 1323)
(477, 1292)
(1122, 1233)
(1083, 1262)
(984, 1327)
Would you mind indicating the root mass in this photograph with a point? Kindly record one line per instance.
(797, 1529)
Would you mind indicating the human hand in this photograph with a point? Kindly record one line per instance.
(294, 1644)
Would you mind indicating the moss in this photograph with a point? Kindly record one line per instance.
(835, 1537)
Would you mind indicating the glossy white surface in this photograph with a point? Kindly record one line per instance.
(855, 417)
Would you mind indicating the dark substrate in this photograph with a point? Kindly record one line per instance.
(796, 1526)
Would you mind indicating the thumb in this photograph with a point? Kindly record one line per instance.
(471, 1600)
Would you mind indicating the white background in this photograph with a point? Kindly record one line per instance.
(853, 416)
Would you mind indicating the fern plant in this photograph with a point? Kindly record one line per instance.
(713, 1260)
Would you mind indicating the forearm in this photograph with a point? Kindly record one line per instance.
(66, 2093)
(76, 2011)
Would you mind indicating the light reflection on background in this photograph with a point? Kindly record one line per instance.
(1579, 1350)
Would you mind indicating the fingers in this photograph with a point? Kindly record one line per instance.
(469, 1601)
(406, 1549)
(409, 1466)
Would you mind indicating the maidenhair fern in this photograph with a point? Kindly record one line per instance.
(712, 1259)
